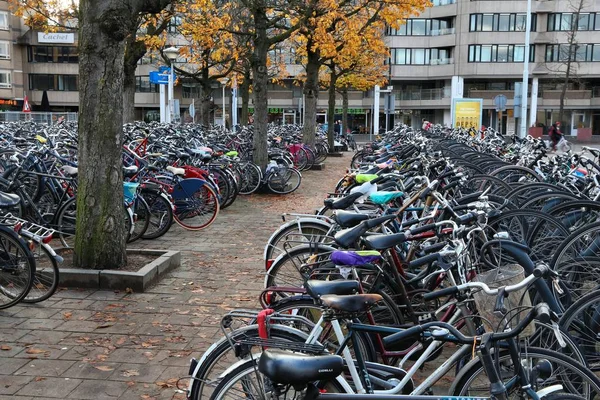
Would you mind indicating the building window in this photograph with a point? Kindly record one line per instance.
(143, 85)
(52, 54)
(4, 21)
(422, 27)
(420, 56)
(501, 22)
(5, 79)
(174, 24)
(63, 83)
(4, 49)
(576, 52)
(569, 21)
(502, 53)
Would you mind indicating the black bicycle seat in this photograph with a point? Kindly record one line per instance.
(384, 242)
(344, 202)
(9, 199)
(288, 368)
(350, 304)
(347, 219)
(316, 288)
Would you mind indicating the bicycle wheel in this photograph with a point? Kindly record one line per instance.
(245, 382)
(289, 268)
(284, 180)
(481, 183)
(252, 178)
(17, 268)
(141, 216)
(576, 214)
(220, 356)
(161, 214)
(544, 368)
(66, 222)
(46, 278)
(198, 211)
(524, 192)
(582, 322)
(298, 232)
(515, 174)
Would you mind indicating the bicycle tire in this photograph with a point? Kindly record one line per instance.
(161, 215)
(473, 369)
(576, 214)
(210, 200)
(300, 254)
(205, 372)
(284, 180)
(252, 178)
(521, 193)
(141, 219)
(272, 251)
(46, 277)
(24, 261)
(504, 173)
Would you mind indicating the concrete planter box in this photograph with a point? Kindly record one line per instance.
(138, 281)
(536, 132)
(584, 133)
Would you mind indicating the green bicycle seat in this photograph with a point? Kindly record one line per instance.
(362, 178)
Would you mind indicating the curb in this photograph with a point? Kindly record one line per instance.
(138, 281)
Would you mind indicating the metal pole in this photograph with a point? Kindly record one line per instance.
(524, 89)
(163, 111)
(234, 105)
(376, 110)
(224, 83)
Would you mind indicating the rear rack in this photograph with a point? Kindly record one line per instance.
(28, 229)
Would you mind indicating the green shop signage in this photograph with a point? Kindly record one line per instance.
(350, 111)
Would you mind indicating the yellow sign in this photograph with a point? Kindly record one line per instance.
(467, 113)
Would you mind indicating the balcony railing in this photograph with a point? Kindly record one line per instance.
(442, 61)
(424, 94)
(442, 32)
(443, 2)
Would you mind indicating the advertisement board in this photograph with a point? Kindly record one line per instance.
(467, 113)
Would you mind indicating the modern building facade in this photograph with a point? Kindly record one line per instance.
(468, 48)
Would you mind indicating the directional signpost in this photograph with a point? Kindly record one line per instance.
(162, 77)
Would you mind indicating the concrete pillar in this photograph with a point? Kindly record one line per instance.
(458, 87)
(534, 101)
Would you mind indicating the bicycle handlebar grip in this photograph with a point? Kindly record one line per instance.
(541, 271)
(446, 174)
(425, 193)
(440, 293)
(397, 337)
(372, 223)
(451, 185)
(424, 260)
(466, 219)
(421, 229)
(543, 313)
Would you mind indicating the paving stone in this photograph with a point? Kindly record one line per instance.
(91, 370)
(50, 387)
(43, 337)
(10, 384)
(11, 335)
(37, 312)
(37, 323)
(77, 326)
(138, 373)
(10, 365)
(11, 321)
(44, 368)
(73, 304)
(42, 351)
(99, 390)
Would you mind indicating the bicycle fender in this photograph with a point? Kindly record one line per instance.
(548, 390)
(186, 187)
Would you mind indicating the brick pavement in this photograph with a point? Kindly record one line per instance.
(89, 344)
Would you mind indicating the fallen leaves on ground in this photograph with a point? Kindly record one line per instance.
(130, 372)
(5, 347)
(67, 315)
(39, 378)
(32, 350)
(104, 368)
(169, 383)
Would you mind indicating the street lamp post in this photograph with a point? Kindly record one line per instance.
(225, 80)
(524, 88)
(172, 53)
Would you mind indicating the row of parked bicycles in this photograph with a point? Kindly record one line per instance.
(444, 266)
(174, 174)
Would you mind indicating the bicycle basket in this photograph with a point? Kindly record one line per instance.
(129, 190)
(517, 303)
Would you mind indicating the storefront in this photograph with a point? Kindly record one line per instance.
(357, 119)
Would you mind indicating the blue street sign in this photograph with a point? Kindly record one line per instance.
(158, 78)
(164, 70)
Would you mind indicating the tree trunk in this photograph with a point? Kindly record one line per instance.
(134, 51)
(311, 96)
(260, 82)
(345, 123)
(245, 95)
(100, 239)
(331, 113)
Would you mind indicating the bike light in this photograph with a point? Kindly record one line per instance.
(47, 239)
(269, 298)
(31, 245)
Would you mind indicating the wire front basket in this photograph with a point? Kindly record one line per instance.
(517, 303)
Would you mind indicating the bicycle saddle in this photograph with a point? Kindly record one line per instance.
(176, 171)
(352, 303)
(316, 288)
(344, 202)
(69, 170)
(340, 257)
(384, 242)
(9, 199)
(289, 368)
(347, 219)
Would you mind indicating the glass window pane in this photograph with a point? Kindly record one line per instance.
(400, 56)
(502, 54)
(402, 30)
(486, 53)
(519, 54)
(488, 22)
(473, 26)
(580, 52)
(419, 27)
(503, 22)
(520, 22)
(583, 23)
(418, 57)
(597, 22)
(596, 53)
(566, 21)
